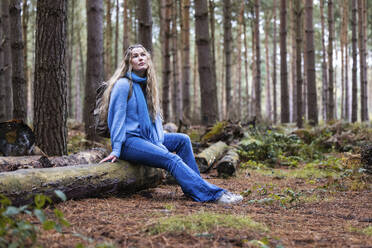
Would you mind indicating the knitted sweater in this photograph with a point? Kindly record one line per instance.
(123, 118)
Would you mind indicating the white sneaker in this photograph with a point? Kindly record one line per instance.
(229, 198)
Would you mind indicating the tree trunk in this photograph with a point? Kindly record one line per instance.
(312, 105)
(239, 60)
(292, 54)
(345, 40)
(246, 102)
(362, 62)
(2, 82)
(166, 6)
(94, 70)
(258, 60)
(108, 42)
(78, 182)
(70, 50)
(297, 9)
(354, 107)
(196, 110)
(331, 101)
(125, 26)
(176, 91)
(116, 35)
(324, 66)
(18, 76)
(227, 37)
(283, 63)
(145, 24)
(274, 64)
(185, 30)
(208, 89)
(213, 45)
(25, 19)
(50, 77)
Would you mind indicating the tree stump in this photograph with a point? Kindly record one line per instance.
(228, 164)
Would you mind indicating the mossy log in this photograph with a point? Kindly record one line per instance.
(39, 161)
(228, 164)
(208, 156)
(80, 181)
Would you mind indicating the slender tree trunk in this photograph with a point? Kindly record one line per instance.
(354, 108)
(254, 71)
(125, 26)
(275, 110)
(185, 30)
(239, 59)
(312, 104)
(331, 105)
(50, 77)
(2, 82)
(18, 76)
(213, 45)
(196, 112)
(268, 79)
(145, 24)
(108, 41)
(293, 24)
(70, 50)
(258, 60)
(25, 19)
(208, 89)
(305, 66)
(297, 14)
(324, 66)
(176, 94)
(167, 5)
(345, 41)
(283, 63)
(94, 70)
(246, 67)
(362, 62)
(6, 69)
(227, 47)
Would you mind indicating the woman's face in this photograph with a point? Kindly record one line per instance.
(139, 61)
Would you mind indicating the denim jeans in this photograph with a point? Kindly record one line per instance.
(181, 165)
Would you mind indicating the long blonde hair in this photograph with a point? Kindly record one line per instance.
(151, 89)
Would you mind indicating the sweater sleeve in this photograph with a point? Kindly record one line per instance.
(117, 114)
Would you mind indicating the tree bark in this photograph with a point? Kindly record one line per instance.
(78, 182)
(116, 34)
(18, 76)
(208, 156)
(25, 19)
(166, 6)
(239, 60)
(176, 91)
(275, 110)
(208, 89)
(145, 24)
(185, 30)
(108, 42)
(292, 54)
(227, 37)
(258, 60)
(298, 16)
(213, 45)
(362, 62)
(331, 101)
(283, 63)
(50, 115)
(125, 26)
(70, 51)
(246, 102)
(227, 166)
(312, 105)
(324, 66)
(345, 40)
(94, 70)
(354, 107)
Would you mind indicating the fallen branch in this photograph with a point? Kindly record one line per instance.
(208, 156)
(79, 181)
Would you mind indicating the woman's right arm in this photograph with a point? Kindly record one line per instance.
(116, 116)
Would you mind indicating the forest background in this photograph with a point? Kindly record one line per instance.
(277, 61)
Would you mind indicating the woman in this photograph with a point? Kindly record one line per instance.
(131, 106)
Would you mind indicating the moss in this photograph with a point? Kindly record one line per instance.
(204, 222)
(216, 130)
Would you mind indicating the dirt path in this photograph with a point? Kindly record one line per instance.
(314, 217)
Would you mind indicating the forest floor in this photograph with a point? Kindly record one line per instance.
(277, 211)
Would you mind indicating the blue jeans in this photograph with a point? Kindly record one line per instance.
(181, 165)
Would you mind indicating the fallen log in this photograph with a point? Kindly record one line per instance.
(228, 164)
(39, 161)
(77, 182)
(208, 156)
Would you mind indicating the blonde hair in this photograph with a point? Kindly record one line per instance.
(152, 98)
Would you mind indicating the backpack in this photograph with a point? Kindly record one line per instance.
(101, 126)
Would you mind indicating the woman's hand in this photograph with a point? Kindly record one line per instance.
(110, 158)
